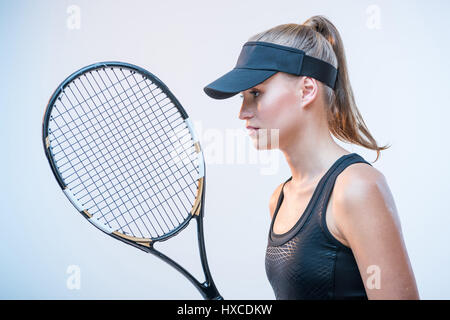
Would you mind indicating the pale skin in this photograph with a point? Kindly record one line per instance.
(361, 212)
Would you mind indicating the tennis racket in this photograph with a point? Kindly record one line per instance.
(125, 153)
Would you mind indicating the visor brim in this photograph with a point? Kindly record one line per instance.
(235, 81)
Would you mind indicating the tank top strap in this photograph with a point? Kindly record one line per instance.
(280, 198)
(324, 198)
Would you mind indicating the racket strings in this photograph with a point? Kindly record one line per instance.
(79, 121)
(138, 141)
(133, 206)
(90, 98)
(108, 117)
(128, 195)
(151, 208)
(160, 144)
(103, 171)
(180, 142)
(89, 170)
(68, 162)
(84, 195)
(126, 224)
(81, 198)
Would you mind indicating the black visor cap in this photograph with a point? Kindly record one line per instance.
(259, 60)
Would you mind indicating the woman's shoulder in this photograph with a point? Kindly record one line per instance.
(359, 173)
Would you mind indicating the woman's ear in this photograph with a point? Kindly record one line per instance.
(308, 90)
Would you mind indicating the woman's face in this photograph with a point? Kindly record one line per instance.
(274, 107)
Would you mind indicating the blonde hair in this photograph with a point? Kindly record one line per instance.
(319, 38)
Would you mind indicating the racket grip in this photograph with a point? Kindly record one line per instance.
(219, 297)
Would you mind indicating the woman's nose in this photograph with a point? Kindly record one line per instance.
(246, 112)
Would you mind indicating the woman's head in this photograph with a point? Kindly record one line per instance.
(285, 98)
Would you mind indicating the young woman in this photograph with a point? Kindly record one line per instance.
(335, 232)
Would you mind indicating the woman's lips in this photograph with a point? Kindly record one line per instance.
(252, 130)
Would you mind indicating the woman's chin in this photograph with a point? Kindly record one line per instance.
(265, 139)
(261, 145)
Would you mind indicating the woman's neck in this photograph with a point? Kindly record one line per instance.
(310, 159)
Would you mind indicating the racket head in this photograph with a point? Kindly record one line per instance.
(112, 110)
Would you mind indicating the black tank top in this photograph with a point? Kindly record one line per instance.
(308, 262)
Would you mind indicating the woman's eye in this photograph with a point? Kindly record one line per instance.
(254, 93)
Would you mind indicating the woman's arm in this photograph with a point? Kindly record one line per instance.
(366, 216)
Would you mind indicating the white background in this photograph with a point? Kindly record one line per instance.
(399, 70)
